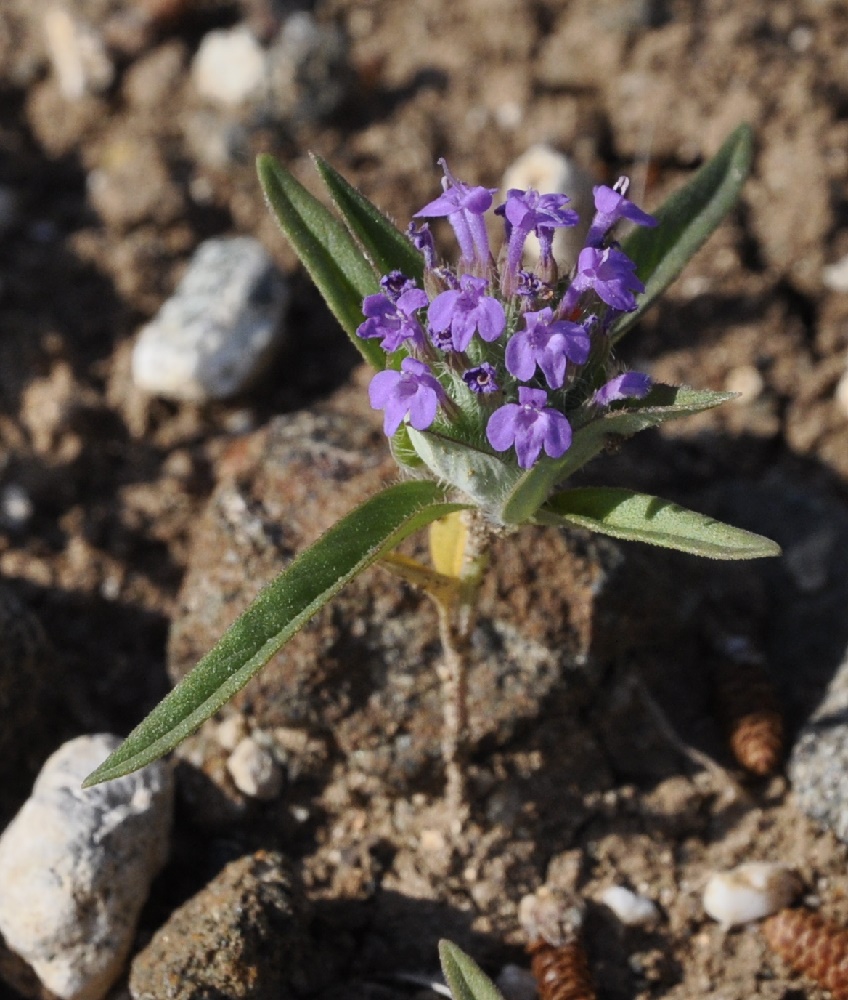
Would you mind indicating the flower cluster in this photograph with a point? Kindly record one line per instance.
(515, 353)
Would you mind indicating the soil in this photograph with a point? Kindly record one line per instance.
(113, 190)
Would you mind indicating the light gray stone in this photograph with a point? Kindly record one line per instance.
(76, 867)
(818, 767)
(230, 67)
(219, 329)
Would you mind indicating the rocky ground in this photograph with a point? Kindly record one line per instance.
(133, 527)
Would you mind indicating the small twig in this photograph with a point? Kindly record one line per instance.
(723, 778)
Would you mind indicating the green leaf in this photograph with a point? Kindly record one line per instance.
(466, 979)
(637, 517)
(478, 474)
(685, 220)
(335, 263)
(663, 402)
(280, 610)
(388, 248)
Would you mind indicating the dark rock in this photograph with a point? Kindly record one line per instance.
(240, 937)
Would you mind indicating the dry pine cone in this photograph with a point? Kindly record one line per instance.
(813, 946)
(561, 971)
(754, 723)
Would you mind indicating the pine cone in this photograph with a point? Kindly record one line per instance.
(561, 972)
(754, 723)
(813, 946)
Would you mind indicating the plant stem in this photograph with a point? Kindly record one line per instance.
(456, 624)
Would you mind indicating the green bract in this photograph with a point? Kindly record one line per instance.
(456, 467)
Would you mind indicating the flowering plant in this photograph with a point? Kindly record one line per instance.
(496, 384)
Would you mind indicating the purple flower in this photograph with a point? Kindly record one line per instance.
(467, 310)
(422, 240)
(610, 206)
(526, 212)
(395, 283)
(481, 379)
(630, 385)
(414, 390)
(546, 344)
(465, 207)
(609, 273)
(395, 322)
(530, 426)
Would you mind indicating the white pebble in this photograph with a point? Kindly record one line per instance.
(230, 732)
(230, 67)
(750, 892)
(835, 276)
(219, 329)
(16, 507)
(547, 171)
(76, 867)
(254, 770)
(631, 909)
(747, 381)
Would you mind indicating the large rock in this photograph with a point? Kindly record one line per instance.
(75, 870)
(362, 674)
(241, 938)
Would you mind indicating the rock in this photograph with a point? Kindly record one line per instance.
(516, 983)
(230, 67)
(631, 909)
(818, 765)
(254, 770)
(219, 329)
(132, 185)
(76, 867)
(363, 670)
(78, 54)
(241, 937)
(150, 79)
(547, 171)
(310, 73)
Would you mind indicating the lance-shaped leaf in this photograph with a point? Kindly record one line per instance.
(685, 221)
(663, 402)
(388, 248)
(637, 517)
(466, 979)
(281, 609)
(326, 249)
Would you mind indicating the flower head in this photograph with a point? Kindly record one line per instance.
(548, 343)
(394, 319)
(413, 391)
(467, 310)
(499, 332)
(530, 426)
(610, 207)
